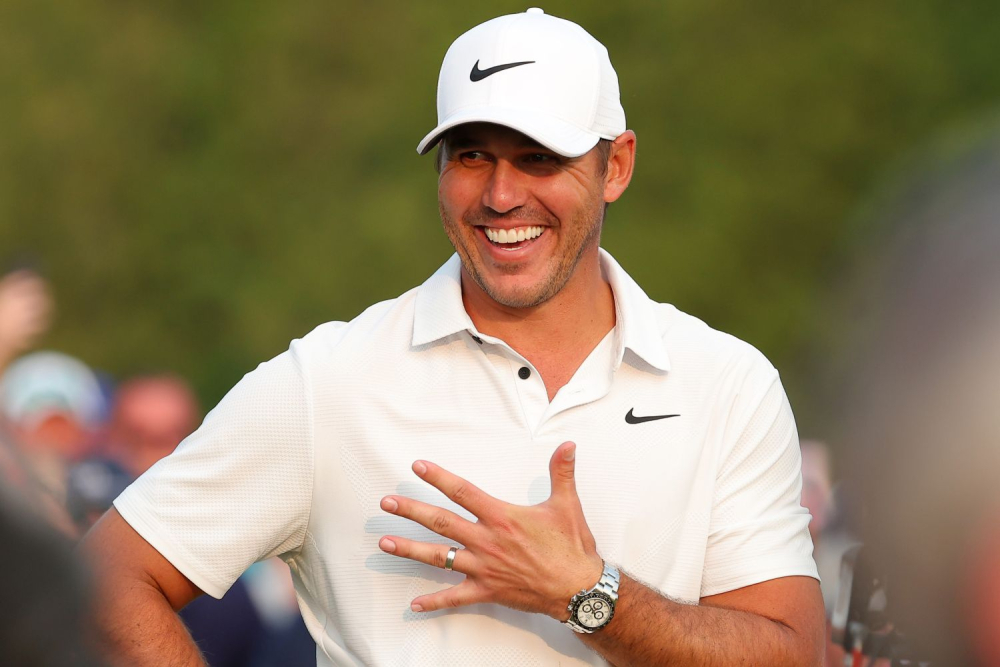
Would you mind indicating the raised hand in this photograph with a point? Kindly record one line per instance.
(25, 311)
(529, 558)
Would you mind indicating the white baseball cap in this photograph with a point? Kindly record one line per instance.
(543, 76)
(41, 384)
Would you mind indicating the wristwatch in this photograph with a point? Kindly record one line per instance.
(591, 610)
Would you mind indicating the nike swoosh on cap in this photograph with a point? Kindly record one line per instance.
(632, 419)
(479, 74)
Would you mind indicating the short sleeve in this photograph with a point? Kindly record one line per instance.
(759, 529)
(238, 489)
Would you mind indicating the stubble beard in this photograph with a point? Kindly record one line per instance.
(590, 221)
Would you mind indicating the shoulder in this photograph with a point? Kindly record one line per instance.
(687, 344)
(695, 346)
(387, 323)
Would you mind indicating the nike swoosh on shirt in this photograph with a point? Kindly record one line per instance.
(632, 419)
(479, 74)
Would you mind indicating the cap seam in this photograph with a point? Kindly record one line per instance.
(504, 31)
(595, 100)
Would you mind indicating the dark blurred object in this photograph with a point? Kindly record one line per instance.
(925, 424)
(246, 629)
(859, 622)
(227, 630)
(44, 597)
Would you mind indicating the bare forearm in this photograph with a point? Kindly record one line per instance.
(138, 627)
(138, 591)
(649, 629)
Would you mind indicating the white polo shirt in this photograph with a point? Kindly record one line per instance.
(294, 460)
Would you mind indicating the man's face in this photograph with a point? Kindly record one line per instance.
(520, 216)
(151, 417)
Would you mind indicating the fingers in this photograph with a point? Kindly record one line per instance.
(562, 472)
(443, 522)
(435, 555)
(463, 594)
(461, 492)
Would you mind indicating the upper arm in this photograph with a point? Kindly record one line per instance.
(122, 559)
(239, 489)
(794, 602)
(758, 529)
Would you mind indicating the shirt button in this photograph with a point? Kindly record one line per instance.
(477, 339)
(524, 373)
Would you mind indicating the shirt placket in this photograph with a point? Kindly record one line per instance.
(591, 382)
(524, 378)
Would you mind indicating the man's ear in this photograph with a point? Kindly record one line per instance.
(621, 162)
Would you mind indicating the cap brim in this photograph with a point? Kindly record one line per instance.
(555, 134)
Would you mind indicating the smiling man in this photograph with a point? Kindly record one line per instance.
(524, 460)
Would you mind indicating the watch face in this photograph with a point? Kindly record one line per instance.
(594, 610)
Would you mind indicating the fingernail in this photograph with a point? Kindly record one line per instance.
(569, 453)
(387, 545)
(389, 505)
(419, 467)
(416, 607)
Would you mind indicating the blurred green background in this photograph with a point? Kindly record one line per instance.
(204, 181)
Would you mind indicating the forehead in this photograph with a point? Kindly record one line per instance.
(470, 134)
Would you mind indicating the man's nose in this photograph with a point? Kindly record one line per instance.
(505, 189)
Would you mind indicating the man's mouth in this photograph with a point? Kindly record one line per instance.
(512, 238)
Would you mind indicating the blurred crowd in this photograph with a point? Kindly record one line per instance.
(71, 440)
(906, 516)
(905, 510)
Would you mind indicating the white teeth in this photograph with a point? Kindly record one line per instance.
(513, 235)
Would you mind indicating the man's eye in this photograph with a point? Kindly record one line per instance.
(547, 160)
(471, 156)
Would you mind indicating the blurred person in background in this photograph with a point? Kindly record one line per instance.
(91, 487)
(25, 313)
(925, 418)
(43, 589)
(52, 407)
(151, 415)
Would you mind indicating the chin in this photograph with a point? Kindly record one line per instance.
(528, 295)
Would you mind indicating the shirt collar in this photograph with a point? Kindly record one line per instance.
(439, 312)
(637, 327)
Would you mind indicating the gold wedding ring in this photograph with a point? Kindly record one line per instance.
(449, 561)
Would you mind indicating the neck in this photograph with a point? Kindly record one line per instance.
(557, 335)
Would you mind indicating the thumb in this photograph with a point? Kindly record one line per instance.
(562, 472)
